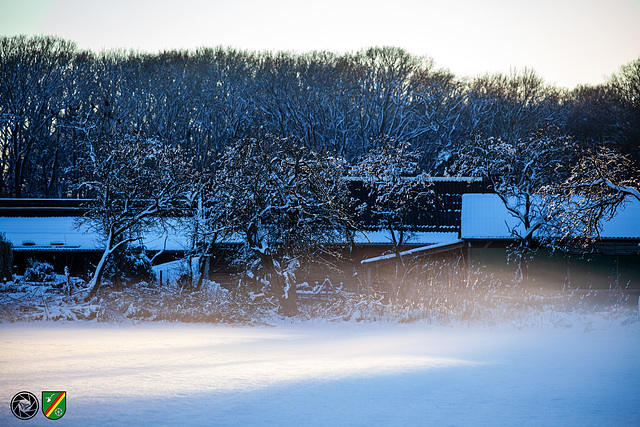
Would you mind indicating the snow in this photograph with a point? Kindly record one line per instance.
(418, 237)
(170, 272)
(626, 223)
(42, 231)
(317, 373)
(410, 252)
(484, 216)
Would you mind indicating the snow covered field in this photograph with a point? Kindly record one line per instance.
(585, 373)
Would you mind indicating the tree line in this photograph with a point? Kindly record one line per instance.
(255, 146)
(58, 101)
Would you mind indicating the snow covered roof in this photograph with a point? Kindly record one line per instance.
(429, 249)
(484, 216)
(414, 238)
(60, 233)
(466, 179)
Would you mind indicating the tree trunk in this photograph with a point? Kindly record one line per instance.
(523, 253)
(96, 280)
(286, 296)
(399, 291)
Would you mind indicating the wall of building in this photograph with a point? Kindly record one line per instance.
(548, 270)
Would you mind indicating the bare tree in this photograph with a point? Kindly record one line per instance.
(601, 182)
(287, 204)
(511, 107)
(517, 171)
(51, 94)
(396, 191)
(32, 95)
(626, 83)
(135, 183)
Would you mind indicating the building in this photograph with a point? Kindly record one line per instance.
(614, 261)
(467, 226)
(49, 230)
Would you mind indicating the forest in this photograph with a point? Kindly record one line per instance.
(57, 101)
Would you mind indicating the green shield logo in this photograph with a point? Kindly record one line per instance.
(54, 404)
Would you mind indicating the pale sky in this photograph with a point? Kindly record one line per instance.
(567, 42)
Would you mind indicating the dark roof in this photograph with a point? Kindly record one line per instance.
(442, 213)
(42, 207)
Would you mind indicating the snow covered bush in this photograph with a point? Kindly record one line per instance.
(39, 271)
(129, 264)
(483, 300)
(146, 302)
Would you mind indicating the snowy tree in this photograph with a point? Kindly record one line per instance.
(517, 171)
(396, 190)
(135, 184)
(391, 174)
(626, 83)
(598, 185)
(33, 94)
(286, 203)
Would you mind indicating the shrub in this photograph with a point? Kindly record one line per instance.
(129, 264)
(39, 271)
(6, 258)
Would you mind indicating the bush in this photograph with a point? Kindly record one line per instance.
(6, 258)
(129, 264)
(39, 271)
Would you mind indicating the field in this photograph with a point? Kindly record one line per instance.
(570, 370)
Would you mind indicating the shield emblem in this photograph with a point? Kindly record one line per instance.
(54, 404)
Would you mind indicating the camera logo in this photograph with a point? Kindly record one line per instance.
(24, 405)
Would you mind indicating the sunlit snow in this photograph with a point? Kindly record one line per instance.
(584, 373)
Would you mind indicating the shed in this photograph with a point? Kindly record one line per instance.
(614, 261)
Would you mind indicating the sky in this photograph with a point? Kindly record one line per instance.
(567, 42)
